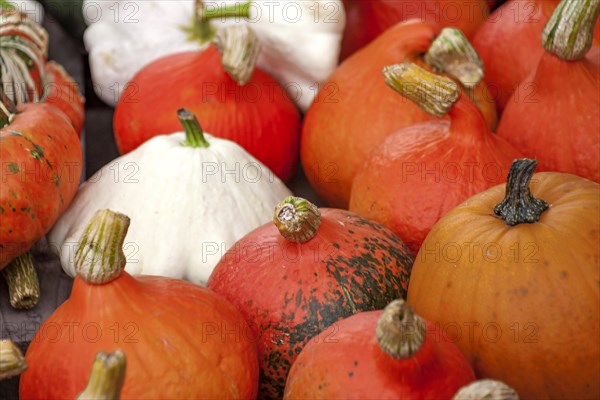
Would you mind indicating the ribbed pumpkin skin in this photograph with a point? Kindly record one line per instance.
(366, 19)
(259, 116)
(289, 292)
(41, 161)
(559, 125)
(526, 295)
(356, 110)
(345, 362)
(180, 340)
(421, 172)
(509, 44)
(63, 92)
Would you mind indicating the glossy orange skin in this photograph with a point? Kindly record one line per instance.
(41, 164)
(259, 116)
(428, 169)
(509, 43)
(355, 110)
(526, 295)
(367, 19)
(289, 292)
(346, 362)
(554, 116)
(181, 341)
(62, 92)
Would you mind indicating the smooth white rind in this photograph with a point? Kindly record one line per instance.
(185, 209)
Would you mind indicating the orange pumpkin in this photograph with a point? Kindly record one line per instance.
(516, 282)
(181, 340)
(355, 110)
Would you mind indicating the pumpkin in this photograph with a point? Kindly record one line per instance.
(26, 74)
(177, 336)
(304, 272)
(431, 167)
(510, 60)
(301, 38)
(389, 354)
(345, 124)
(508, 277)
(32, 8)
(12, 362)
(267, 125)
(368, 19)
(567, 87)
(41, 164)
(183, 186)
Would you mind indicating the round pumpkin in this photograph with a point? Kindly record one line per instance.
(181, 340)
(389, 354)
(309, 269)
(355, 110)
(430, 167)
(565, 85)
(512, 274)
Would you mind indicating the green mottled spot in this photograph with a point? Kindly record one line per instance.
(25, 209)
(39, 149)
(35, 154)
(13, 168)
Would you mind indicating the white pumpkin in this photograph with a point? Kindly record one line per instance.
(187, 205)
(301, 39)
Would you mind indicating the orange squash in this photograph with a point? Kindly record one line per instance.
(181, 340)
(516, 282)
(389, 354)
(355, 110)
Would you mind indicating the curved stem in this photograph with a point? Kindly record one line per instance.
(297, 219)
(570, 30)
(200, 28)
(12, 362)
(194, 136)
(399, 331)
(486, 389)
(22, 280)
(435, 94)
(519, 206)
(106, 378)
(8, 109)
(452, 53)
(99, 255)
(239, 48)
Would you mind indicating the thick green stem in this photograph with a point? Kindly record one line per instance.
(452, 53)
(519, 206)
(106, 378)
(486, 389)
(12, 362)
(297, 219)
(435, 94)
(194, 136)
(201, 30)
(570, 30)
(22, 280)
(399, 331)
(239, 48)
(99, 256)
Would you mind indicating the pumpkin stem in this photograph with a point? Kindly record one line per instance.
(519, 206)
(239, 48)
(12, 362)
(99, 256)
(106, 378)
(486, 389)
(22, 280)
(452, 53)
(8, 109)
(399, 331)
(5, 5)
(200, 28)
(569, 32)
(194, 136)
(435, 94)
(297, 219)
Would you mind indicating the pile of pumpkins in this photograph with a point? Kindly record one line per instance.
(457, 150)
